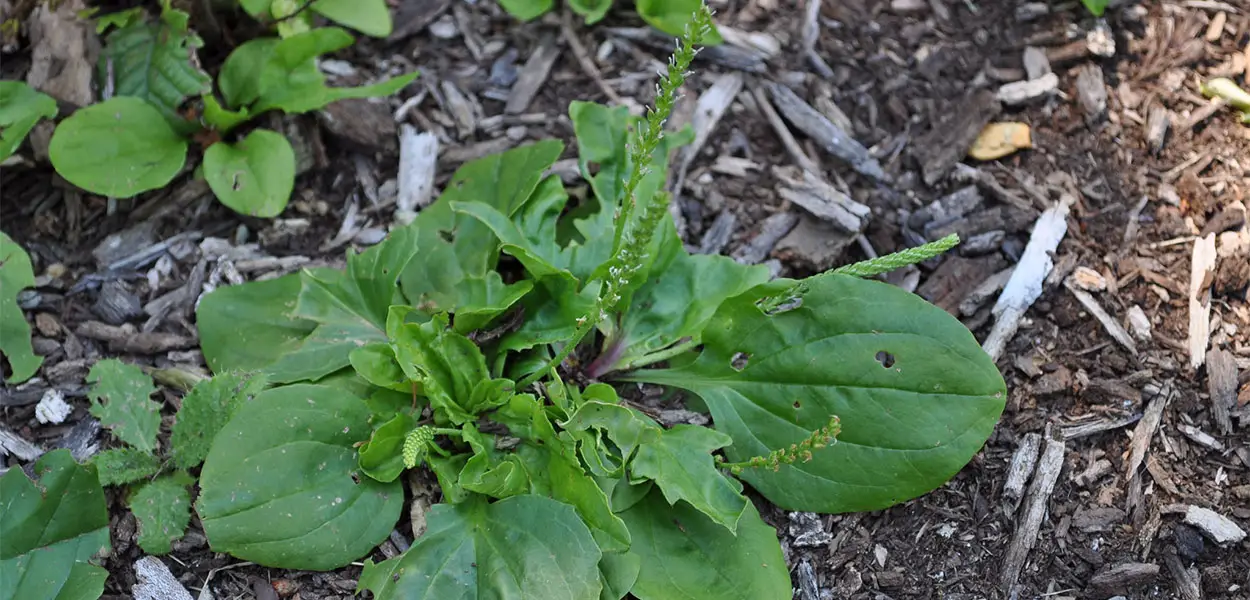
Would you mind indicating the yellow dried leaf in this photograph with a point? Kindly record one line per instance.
(1000, 139)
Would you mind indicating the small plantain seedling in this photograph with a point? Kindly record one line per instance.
(138, 140)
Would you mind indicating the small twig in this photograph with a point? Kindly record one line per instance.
(583, 58)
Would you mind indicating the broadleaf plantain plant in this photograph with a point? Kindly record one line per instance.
(829, 394)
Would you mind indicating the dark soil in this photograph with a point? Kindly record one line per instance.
(899, 70)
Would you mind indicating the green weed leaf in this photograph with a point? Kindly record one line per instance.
(627, 428)
(51, 529)
(205, 411)
(222, 119)
(119, 466)
(916, 395)
(671, 17)
(681, 465)
(120, 147)
(153, 61)
(490, 472)
(370, 17)
(1096, 7)
(122, 402)
(448, 365)
(687, 556)
(592, 10)
(253, 176)
(527, 10)
(279, 486)
(618, 572)
(526, 547)
(21, 107)
(163, 509)
(16, 274)
(376, 364)
(458, 251)
(381, 457)
(242, 75)
(252, 326)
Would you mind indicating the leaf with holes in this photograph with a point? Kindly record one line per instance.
(281, 487)
(162, 509)
(916, 395)
(253, 176)
(526, 547)
(122, 402)
(51, 530)
(16, 274)
(120, 147)
(21, 107)
(687, 556)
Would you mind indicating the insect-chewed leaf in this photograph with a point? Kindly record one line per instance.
(681, 464)
(526, 547)
(16, 274)
(281, 486)
(679, 545)
(163, 509)
(51, 529)
(122, 403)
(916, 395)
(253, 176)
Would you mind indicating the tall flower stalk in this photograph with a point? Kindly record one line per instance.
(632, 237)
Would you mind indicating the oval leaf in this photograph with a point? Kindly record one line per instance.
(16, 274)
(687, 556)
(253, 176)
(120, 147)
(916, 395)
(280, 485)
(370, 17)
(526, 547)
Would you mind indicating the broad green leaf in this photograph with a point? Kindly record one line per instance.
(526, 547)
(376, 363)
(120, 147)
(51, 529)
(916, 395)
(253, 176)
(16, 274)
(687, 556)
(162, 509)
(592, 10)
(119, 466)
(550, 317)
(291, 81)
(679, 298)
(455, 248)
(119, 19)
(447, 470)
(350, 308)
(381, 457)
(618, 572)
(484, 298)
(205, 411)
(280, 486)
(242, 75)
(21, 107)
(153, 61)
(681, 465)
(555, 472)
(514, 242)
(370, 17)
(122, 402)
(256, 8)
(671, 17)
(1096, 7)
(252, 326)
(527, 10)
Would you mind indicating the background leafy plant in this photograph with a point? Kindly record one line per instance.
(669, 16)
(138, 140)
(21, 108)
(16, 274)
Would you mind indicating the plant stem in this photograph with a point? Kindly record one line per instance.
(658, 356)
(587, 325)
